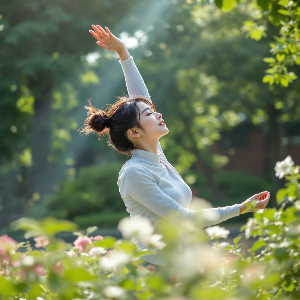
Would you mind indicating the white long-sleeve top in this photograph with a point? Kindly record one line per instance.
(149, 185)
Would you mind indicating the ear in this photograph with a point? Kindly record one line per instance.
(133, 132)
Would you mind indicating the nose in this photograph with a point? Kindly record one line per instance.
(159, 115)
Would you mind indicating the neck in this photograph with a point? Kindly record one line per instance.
(149, 146)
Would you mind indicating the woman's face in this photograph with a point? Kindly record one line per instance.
(151, 122)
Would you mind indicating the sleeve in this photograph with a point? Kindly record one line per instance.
(142, 187)
(134, 81)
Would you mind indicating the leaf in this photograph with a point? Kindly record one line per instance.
(237, 239)
(7, 288)
(52, 226)
(228, 5)
(264, 4)
(268, 79)
(269, 60)
(284, 82)
(219, 3)
(284, 12)
(283, 2)
(107, 242)
(280, 57)
(258, 244)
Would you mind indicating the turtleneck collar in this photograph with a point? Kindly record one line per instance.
(146, 156)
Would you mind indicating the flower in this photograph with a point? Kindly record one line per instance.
(217, 232)
(72, 253)
(7, 246)
(58, 268)
(155, 240)
(223, 245)
(113, 291)
(41, 241)
(284, 167)
(250, 226)
(115, 259)
(82, 243)
(138, 227)
(196, 259)
(97, 238)
(97, 251)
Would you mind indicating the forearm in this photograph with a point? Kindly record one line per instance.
(242, 208)
(123, 53)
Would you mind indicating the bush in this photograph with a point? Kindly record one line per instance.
(95, 190)
(104, 220)
(106, 268)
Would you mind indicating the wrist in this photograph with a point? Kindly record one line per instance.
(123, 53)
(242, 208)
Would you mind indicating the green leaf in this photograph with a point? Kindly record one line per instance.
(258, 244)
(264, 4)
(52, 226)
(284, 82)
(281, 194)
(284, 12)
(219, 3)
(107, 242)
(228, 5)
(7, 288)
(78, 274)
(268, 79)
(280, 57)
(237, 239)
(269, 60)
(283, 2)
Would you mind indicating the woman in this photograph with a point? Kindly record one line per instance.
(148, 183)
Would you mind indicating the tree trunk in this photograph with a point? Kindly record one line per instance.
(40, 179)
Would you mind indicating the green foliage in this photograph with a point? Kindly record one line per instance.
(97, 267)
(93, 191)
(101, 220)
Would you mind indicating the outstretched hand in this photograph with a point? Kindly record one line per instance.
(106, 39)
(261, 199)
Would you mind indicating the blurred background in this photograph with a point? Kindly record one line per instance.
(227, 127)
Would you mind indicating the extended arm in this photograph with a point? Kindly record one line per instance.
(134, 81)
(141, 186)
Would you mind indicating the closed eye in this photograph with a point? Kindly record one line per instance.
(148, 114)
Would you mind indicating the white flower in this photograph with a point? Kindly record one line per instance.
(97, 251)
(223, 245)
(113, 291)
(266, 221)
(296, 171)
(28, 261)
(114, 260)
(156, 241)
(138, 227)
(72, 253)
(284, 167)
(196, 259)
(39, 298)
(250, 226)
(217, 232)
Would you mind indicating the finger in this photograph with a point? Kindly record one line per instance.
(102, 30)
(109, 32)
(98, 31)
(102, 45)
(95, 35)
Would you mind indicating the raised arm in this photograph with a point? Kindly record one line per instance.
(134, 81)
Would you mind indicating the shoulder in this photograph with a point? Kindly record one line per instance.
(134, 171)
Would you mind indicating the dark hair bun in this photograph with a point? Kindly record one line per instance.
(99, 121)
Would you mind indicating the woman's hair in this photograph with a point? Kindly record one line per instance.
(124, 114)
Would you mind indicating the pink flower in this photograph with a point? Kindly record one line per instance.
(82, 243)
(41, 241)
(58, 268)
(97, 238)
(39, 270)
(7, 246)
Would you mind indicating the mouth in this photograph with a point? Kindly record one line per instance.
(162, 123)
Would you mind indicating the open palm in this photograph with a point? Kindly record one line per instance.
(106, 39)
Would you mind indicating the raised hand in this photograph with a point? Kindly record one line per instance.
(262, 200)
(106, 39)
